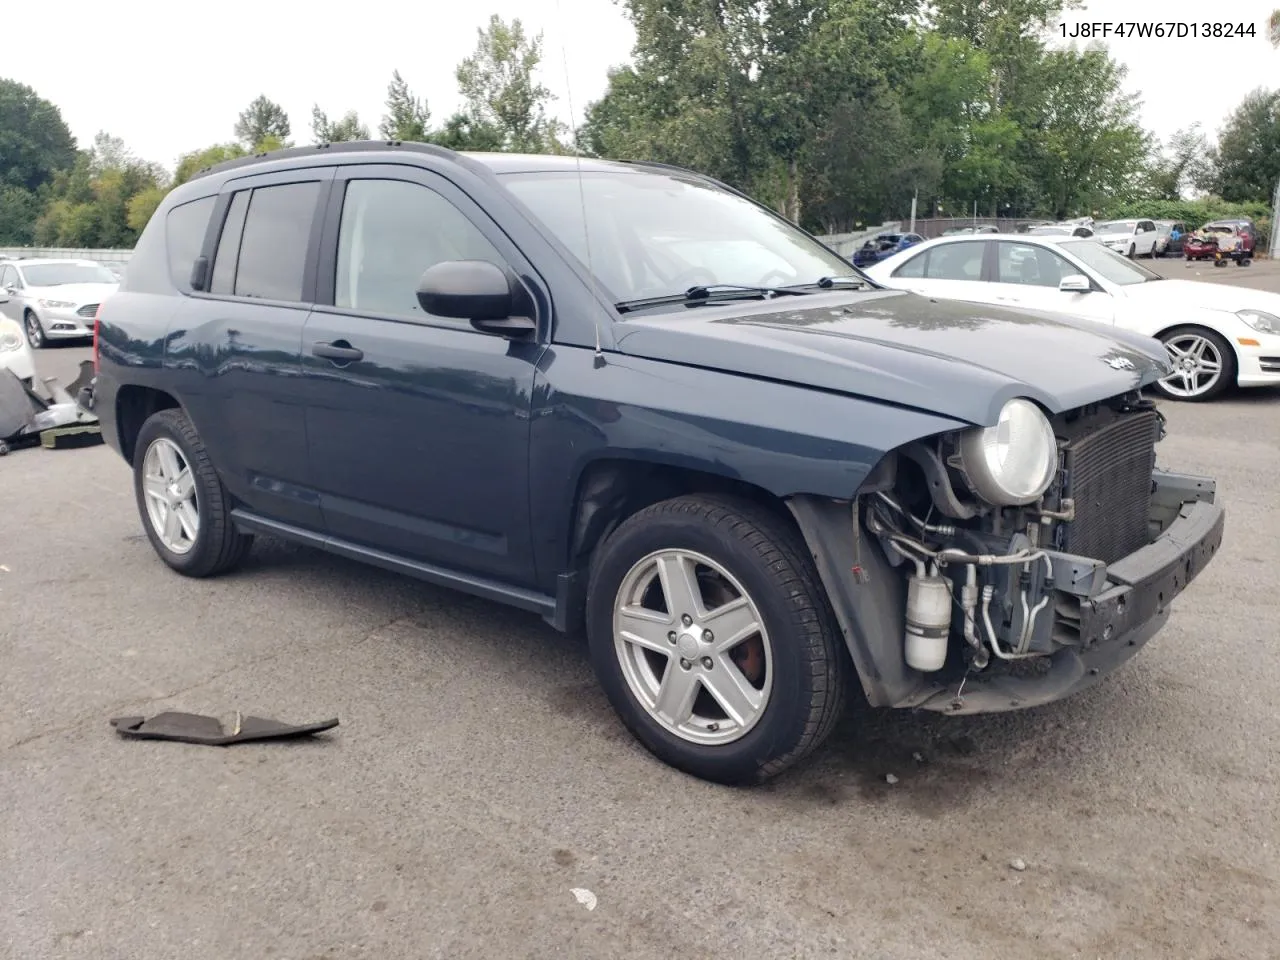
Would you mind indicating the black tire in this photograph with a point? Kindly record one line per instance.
(1132, 251)
(1229, 364)
(809, 662)
(218, 547)
(34, 331)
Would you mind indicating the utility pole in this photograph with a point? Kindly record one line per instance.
(1275, 212)
(914, 200)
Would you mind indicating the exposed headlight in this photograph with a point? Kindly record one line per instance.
(1262, 322)
(1013, 462)
(10, 341)
(56, 304)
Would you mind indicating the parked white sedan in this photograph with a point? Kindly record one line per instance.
(15, 354)
(1216, 335)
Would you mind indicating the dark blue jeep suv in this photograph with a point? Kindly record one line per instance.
(630, 399)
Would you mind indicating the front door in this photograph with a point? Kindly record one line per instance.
(1027, 276)
(418, 426)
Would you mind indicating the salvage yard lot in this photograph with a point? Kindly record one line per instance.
(478, 776)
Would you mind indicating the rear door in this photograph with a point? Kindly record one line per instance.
(418, 425)
(952, 271)
(240, 333)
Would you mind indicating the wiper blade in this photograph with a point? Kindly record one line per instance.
(708, 293)
(828, 282)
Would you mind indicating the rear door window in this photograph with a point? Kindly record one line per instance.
(956, 261)
(275, 241)
(224, 261)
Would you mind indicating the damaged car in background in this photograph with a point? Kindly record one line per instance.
(758, 483)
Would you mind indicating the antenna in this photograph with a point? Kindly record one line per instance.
(577, 154)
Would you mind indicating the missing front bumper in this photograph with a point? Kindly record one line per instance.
(1130, 607)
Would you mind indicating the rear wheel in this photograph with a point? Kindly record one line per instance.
(713, 639)
(1204, 365)
(184, 507)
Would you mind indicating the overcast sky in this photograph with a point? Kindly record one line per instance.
(169, 77)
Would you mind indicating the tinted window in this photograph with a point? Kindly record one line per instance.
(273, 249)
(224, 261)
(1031, 265)
(955, 261)
(184, 229)
(391, 231)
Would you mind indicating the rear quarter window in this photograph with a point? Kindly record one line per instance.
(185, 227)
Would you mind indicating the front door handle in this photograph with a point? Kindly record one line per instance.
(338, 350)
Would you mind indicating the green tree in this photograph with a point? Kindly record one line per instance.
(1248, 154)
(1082, 146)
(407, 118)
(34, 141)
(461, 132)
(95, 202)
(347, 128)
(497, 86)
(1182, 163)
(189, 164)
(262, 125)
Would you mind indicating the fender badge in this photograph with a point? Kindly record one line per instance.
(1120, 363)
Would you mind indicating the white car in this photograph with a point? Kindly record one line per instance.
(54, 299)
(1133, 238)
(15, 354)
(1216, 335)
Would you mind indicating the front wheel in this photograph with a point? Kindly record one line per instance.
(184, 507)
(713, 639)
(34, 330)
(1204, 365)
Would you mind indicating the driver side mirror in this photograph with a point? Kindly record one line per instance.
(1076, 283)
(481, 292)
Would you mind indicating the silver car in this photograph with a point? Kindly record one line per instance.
(54, 299)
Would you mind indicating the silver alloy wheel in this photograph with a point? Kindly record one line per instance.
(170, 490)
(35, 336)
(687, 635)
(1197, 365)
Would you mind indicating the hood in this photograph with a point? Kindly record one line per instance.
(77, 293)
(1206, 296)
(961, 360)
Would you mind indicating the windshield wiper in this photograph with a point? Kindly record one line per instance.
(828, 282)
(707, 293)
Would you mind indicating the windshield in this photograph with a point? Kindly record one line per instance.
(1116, 226)
(58, 274)
(645, 234)
(1110, 265)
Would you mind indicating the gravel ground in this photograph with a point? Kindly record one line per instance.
(479, 777)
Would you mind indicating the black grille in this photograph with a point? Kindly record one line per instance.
(88, 310)
(1107, 472)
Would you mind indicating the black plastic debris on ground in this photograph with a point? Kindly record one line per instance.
(55, 421)
(194, 728)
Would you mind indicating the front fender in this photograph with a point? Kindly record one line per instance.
(785, 439)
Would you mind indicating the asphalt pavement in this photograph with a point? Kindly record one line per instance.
(478, 777)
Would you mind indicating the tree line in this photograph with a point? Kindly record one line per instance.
(834, 112)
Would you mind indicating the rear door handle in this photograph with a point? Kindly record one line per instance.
(338, 350)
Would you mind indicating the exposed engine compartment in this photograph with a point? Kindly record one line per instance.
(989, 583)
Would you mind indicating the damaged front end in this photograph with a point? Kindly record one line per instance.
(1004, 567)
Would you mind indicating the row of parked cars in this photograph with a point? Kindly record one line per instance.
(1221, 240)
(634, 402)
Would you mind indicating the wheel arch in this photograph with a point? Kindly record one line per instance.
(134, 406)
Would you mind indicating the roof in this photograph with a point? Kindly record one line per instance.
(496, 162)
